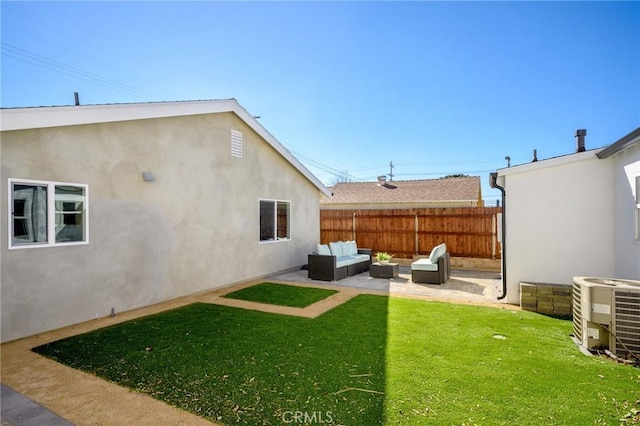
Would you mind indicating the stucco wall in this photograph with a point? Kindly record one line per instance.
(194, 228)
(559, 221)
(627, 247)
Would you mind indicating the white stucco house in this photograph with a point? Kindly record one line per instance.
(114, 207)
(573, 215)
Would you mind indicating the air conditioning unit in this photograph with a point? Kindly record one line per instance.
(606, 314)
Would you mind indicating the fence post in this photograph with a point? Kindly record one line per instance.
(493, 237)
(353, 227)
(416, 236)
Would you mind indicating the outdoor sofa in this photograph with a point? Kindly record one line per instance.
(436, 269)
(338, 260)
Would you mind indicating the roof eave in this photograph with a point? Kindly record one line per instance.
(549, 162)
(621, 144)
(43, 117)
(404, 202)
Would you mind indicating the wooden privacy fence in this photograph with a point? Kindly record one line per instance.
(467, 231)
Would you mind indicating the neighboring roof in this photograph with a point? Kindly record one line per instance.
(622, 143)
(406, 191)
(43, 117)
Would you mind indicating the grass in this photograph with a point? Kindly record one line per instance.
(372, 360)
(282, 294)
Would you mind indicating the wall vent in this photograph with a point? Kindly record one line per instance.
(236, 144)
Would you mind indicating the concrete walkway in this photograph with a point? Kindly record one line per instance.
(19, 410)
(38, 391)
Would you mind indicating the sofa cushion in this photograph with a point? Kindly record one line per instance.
(336, 248)
(360, 257)
(345, 248)
(437, 251)
(351, 260)
(344, 261)
(323, 249)
(424, 265)
(352, 248)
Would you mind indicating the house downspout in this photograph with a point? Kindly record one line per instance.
(493, 182)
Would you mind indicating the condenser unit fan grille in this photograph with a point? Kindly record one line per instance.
(627, 322)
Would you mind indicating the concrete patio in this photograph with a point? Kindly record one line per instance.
(464, 285)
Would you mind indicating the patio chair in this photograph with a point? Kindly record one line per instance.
(436, 269)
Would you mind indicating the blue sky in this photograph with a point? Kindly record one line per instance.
(348, 87)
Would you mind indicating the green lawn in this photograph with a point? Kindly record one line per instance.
(282, 294)
(373, 360)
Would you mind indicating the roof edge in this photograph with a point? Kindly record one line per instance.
(464, 200)
(73, 115)
(58, 116)
(620, 144)
(549, 162)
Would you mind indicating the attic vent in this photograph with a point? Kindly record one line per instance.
(236, 143)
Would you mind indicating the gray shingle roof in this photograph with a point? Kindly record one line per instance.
(426, 190)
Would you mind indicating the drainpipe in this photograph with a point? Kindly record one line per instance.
(493, 182)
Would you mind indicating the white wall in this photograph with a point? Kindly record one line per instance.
(627, 247)
(195, 228)
(559, 220)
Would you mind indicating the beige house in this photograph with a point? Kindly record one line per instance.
(405, 194)
(106, 208)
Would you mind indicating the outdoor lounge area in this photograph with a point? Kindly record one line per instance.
(338, 260)
(462, 284)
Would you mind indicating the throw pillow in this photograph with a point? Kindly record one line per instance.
(336, 248)
(323, 249)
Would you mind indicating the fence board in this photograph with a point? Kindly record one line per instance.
(467, 231)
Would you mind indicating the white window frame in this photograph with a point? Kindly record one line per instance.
(275, 219)
(51, 214)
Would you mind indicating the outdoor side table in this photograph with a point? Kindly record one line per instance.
(390, 270)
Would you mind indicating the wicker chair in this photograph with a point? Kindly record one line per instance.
(436, 269)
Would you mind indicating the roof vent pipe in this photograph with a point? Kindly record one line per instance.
(580, 134)
(77, 98)
(382, 180)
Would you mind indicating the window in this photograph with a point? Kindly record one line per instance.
(47, 214)
(275, 220)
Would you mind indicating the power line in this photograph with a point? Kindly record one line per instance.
(446, 173)
(60, 67)
(78, 40)
(339, 173)
(324, 167)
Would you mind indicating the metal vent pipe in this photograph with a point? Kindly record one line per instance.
(580, 134)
